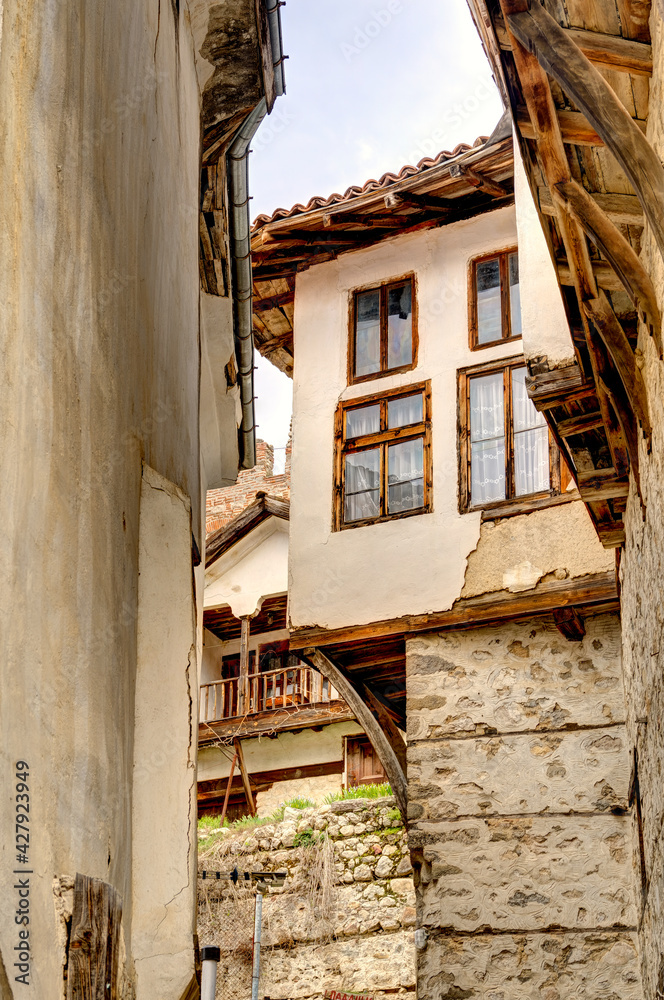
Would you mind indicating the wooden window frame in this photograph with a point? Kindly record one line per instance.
(383, 438)
(559, 477)
(506, 313)
(382, 286)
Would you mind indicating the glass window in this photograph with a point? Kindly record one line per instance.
(383, 333)
(508, 439)
(382, 468)
(496, 299)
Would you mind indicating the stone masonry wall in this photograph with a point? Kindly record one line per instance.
(345, 917)
(521, 837)
(222, 505)
(642, 593)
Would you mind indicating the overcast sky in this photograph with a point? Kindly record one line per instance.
(372, 85)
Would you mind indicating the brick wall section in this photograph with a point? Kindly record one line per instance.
(221, 506)
(520, 828)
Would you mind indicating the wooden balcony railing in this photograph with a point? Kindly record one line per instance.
(256, 693)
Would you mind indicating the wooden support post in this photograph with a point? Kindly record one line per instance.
(390, 728)
(560, 56)
(245, 777)
(93, 967)
(228, 788)
(244, 665)
(366, 719)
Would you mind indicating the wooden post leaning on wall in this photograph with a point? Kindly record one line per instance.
(93, 966)
(367, 720)
(245, 777)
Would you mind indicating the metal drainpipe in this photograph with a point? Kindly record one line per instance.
(238, 163)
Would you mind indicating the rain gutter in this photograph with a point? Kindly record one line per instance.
(240, 228)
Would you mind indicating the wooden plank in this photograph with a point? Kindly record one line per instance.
(612, 51)
(243, 690)
(273, 302)
(601, 484)
(397, 199)
(605, 276)
(289, 719)
(344, 218)
(570, 624)
(618, 251)
(245, 776)
(391, 730)
(598, 590)
(634, 18)
(580, 424)
(559, 55)
(366, 719)
(213, 791)
(93, 952)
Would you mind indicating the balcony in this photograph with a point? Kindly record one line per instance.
(288, 698)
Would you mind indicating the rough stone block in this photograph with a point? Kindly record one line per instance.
(592, 966)
(581, 771)
(530, 873)
(514, 677)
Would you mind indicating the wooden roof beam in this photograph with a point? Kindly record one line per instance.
(604, 274)
(618, 251)
(623, 209)
(580, 424)
(574, 128)
(273, 302)
(612, 51)
(314, 237)
(479, 180)
(560, 56)
(363, 219)
(428, 202)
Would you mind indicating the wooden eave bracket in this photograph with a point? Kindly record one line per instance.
(560, 56)
(479, 180)
(570, 624)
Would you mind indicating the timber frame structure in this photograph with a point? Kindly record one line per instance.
(576, 79)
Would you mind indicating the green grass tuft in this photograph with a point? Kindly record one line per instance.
(298, 803)
(360, 792)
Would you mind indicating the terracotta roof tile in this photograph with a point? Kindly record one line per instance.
(371, 185)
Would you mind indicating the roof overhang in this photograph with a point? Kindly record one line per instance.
(453, 186)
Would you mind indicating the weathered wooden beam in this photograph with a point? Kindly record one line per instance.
(245, 776)
(601, 484)
(606, 323)
(363, 219)
(93, 950)
(228, 789)
(622, 209)
(366, 719)
(635, 18)
(580, 424)
(595, 590)
(570, 624)
(273, 302)
(389, 727)
(557, 387)
(428, 202)
(618, 251)
(604, 274)
(243, 685)
(318, 236)
(561, 57)
(612, 51)
(479, 180)
(574, 128)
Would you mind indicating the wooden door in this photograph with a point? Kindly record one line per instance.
(363, 766)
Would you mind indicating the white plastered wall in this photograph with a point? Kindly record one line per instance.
(256, 567)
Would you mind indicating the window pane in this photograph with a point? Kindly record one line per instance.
(363, 420)
(489, 323)
(524, 413)
(487, 435)
(362, 488)
(367, 333)
(402, 412)
(531, 440)
(399, 326)
(405, 476)
(487, 414)
(515, 295)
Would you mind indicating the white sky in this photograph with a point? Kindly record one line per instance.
(372, 85)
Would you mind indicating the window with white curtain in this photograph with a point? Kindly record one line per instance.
(495, 299)
(505, 447)
(383, 457)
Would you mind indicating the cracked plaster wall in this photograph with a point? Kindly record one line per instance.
(520, 826)
(99, 281)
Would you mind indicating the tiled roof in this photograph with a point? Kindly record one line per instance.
(371, 185)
